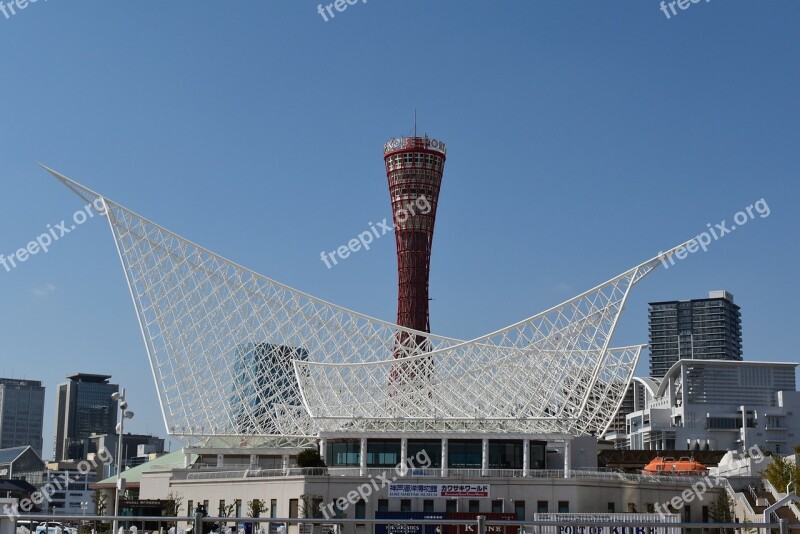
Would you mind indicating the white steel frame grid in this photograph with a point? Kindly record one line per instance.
(234, 353)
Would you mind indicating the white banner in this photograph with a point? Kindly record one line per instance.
(441, 491)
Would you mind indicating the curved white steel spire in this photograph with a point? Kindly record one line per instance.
(234, 353)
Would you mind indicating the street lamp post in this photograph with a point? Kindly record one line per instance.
(123, 414)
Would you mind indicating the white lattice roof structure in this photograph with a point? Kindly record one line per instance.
(236, 354)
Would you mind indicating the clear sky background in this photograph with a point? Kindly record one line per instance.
(583, 138)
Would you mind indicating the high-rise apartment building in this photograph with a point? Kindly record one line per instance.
(21, 414)
(701, 329)
(83, 407)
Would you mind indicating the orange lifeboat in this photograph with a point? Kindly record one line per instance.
(667, 466)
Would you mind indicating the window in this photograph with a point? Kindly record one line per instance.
(190, 508)
(519, 510)
(383, 452)
(424, 451)
(538, 458)
(294, 511)
(464, 453)
(316, 508)
(706, 514)
(238, 508)
(541, 507)
(383, 505)
(344, 453)
(650, 507)
(273, 508)
(563, 507)
(405, 505)
(687, 514)
(497, 506)
(427, 505)
(361, 509)
(221, 508)
(505, 454)
(611, 508)
(451, 506)
(474, 506)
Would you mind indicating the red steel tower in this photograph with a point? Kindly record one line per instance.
(414, 168)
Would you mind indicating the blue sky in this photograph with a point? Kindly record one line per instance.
(583, 138)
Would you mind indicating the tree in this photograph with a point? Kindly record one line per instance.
(100, 501)
(780, 473)
(254, 508)
(309, 505)
(310, 458)
(227, 511)
(721, 510)
(173, 505)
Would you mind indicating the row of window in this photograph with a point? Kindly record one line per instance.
(233, 509)
(428, 506)
(503, 454)
(414, 176)
(723, 423)
(414, 158)
(412, 192)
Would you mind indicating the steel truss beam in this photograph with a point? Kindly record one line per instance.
(234, 353)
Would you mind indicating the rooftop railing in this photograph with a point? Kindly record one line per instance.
(453, 473)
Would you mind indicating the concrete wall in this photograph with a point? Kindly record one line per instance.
(582, 495)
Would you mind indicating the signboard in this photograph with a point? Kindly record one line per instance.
(440, 491)
(599, 523)
(142, 503)
(401, 143)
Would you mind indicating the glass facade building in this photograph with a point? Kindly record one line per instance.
(702, 329)
(268, 387)
(21, 414)
(84, 407)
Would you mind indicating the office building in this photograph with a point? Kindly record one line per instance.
(717, 405)
(21, 413)
(702, 329)
(83, 407)
(74, 495)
